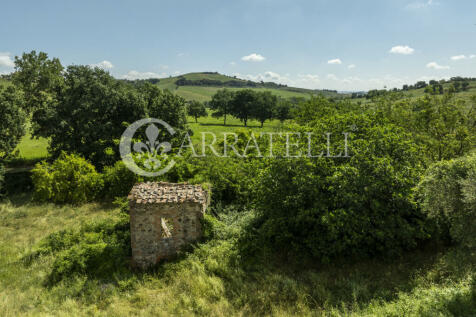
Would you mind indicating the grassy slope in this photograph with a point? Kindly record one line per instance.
(204, 93)
(208, 282)
(417, 93)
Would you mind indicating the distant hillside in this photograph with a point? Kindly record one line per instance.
(202, 86)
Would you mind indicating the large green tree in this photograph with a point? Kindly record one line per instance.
(94, 109)
(242, 105)
(264, 106)
(40, 78)
(196, 109)
(221, 103)
(12, 119)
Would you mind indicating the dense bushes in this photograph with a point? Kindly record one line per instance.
(69, 179)
(361, 205)
(96, 249)
(118, 180)
(448, 194)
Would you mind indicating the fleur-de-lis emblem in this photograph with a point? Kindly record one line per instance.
(152, 148)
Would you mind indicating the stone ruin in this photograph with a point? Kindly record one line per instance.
(164, 217)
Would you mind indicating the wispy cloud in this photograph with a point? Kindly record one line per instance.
(6, 60)
(133, 74)
(232, 63)
(461, 57)
(435, 65)
(103, 65)
(402, 49)
(253, 58)
(267, 76)
(420, 5)
(351, 66)
(458, 57)
(336, 61)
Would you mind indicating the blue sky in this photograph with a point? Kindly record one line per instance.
(344, 45)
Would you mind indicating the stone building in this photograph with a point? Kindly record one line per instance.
(164, 217)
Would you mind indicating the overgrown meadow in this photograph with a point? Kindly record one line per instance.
(387, 230)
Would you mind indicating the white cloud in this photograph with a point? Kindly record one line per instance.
(6, 60)
(232, 63)
(420, 5)
(458, 57)
(253, 58)
(164, 66)
(472, 56)
(133, 74)
(435, 65)
(103, 65)
(402, 49)
(267, 76)
(351, 66)
(332, 77)
(336, 61)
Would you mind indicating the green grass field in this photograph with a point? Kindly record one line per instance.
(204, 93)
(36, 149)
(207, 281)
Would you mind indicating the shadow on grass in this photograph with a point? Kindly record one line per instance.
(230, 125)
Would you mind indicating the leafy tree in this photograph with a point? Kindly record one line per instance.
(242, 104)
(448, 194)
(221, 103)
(282, 111)
(196, 109)
(457, 85)
(94, 109)
(264, 106)
(92, 113)
(464, 86)
(444, 127)
(12, 119)
(40, 78)
(164, 105)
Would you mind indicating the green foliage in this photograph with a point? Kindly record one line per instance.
(91, 115)
(40, 79)
(12, 120)
(2, 179)
(69, 179)
(118, 180)
(221, 103)
(97, 249)
(196, 109)
(264, 106)
(448, 194)
(362, 205)
(242, 104)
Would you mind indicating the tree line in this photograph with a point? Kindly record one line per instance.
(244, 105)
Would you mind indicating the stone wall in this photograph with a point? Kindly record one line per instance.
(164, 217)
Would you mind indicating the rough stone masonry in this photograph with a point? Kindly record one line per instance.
(164, 217)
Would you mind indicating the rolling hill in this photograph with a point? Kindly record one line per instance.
(202, 86)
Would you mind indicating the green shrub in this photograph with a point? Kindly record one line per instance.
(448, 194)
(69, 179)
(95, 249)
(2, 179)
(118, 180)
(356, 206)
